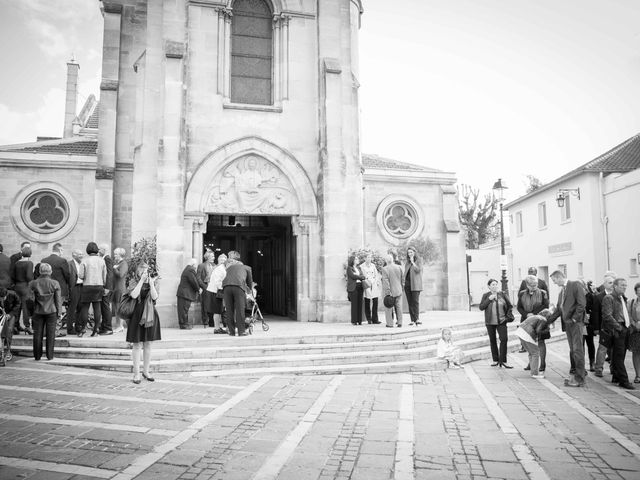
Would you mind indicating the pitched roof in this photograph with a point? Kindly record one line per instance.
(93, 120)
(620, 159)
(623, 158)
(378, 162)
(64, 146)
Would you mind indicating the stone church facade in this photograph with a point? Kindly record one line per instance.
(235, 125)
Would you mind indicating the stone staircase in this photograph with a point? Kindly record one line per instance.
(360, 350)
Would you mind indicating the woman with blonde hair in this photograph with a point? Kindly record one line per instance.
(144, 326)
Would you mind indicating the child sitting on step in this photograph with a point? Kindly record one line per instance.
(448, 351)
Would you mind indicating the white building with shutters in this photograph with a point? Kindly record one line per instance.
(598, 230)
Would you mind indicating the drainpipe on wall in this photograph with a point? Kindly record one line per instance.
(604, 220)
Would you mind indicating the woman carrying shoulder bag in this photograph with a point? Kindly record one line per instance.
(144, 326)
(497, 313)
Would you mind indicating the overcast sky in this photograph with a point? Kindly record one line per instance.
(484, 88)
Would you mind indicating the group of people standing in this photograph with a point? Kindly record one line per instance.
(223, 285)
(585, 312)
(365, 284)
(35, 298)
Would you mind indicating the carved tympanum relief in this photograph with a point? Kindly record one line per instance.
(252, 185)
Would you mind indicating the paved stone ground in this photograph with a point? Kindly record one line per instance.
(475, 423)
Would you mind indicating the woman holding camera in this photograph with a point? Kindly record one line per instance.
(144, 326)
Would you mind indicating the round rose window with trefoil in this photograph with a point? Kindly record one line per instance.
(400, 219)
(45, 211)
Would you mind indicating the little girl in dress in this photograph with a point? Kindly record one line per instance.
(448, 351)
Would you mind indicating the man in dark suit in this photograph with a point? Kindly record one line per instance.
(75, 289)
(5, 269)
(570, 308)
(13, 259)
(596, 322)
(203, 274)
(542, 285)
(60, 269)
(105, 307)
(188, 289)
(615, 319)
(236, 285)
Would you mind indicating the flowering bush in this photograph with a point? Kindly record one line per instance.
(144, 251)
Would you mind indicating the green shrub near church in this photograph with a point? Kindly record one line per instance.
(143, 251)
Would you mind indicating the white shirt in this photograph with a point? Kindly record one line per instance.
(217, 276)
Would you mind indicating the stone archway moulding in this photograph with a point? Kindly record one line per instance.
(252, 176)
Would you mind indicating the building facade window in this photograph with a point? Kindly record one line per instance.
(251, 53)
(44, 212)
(518, 223)
(633, 267)
(542, 215)
(565, 211)
(399, 218)
(563, 268)
(580, 270)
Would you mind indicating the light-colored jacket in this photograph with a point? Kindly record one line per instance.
(371, 272)
(93, 271)
(392, 280)
(217, 276)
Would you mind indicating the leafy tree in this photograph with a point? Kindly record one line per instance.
(425, 248)
(533, 183)
(478, 215)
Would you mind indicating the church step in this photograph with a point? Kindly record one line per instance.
(238, 347)
(288, 362)
(200, 337)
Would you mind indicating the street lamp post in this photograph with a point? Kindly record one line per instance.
(500, 187)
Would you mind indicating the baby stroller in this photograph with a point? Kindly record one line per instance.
(252, 312)
(5, 355)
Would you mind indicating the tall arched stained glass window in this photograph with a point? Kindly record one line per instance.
(251, 52)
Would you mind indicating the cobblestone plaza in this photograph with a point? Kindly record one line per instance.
(475, 423)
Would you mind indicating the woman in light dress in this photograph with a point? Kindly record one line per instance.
(372, 293)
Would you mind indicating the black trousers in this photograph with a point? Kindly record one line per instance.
(42, 322)
(73, 308)
(235, 300)
(207, 299)
(591, 348)
(619, 347)
(183, 311)
(105, 312)
(498, 354)
(413, 299)
(372, 316)
(356, 298)
(84, 316)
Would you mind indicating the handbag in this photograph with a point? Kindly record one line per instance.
(509, 315)
(366, 284)
(126, 306)
(606, 338)
(148, 313)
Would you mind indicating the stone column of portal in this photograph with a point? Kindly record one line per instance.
(340, 181)
(103, 206)
(454, 252)
(170, 199)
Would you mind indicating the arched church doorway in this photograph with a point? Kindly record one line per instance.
(266, 243)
